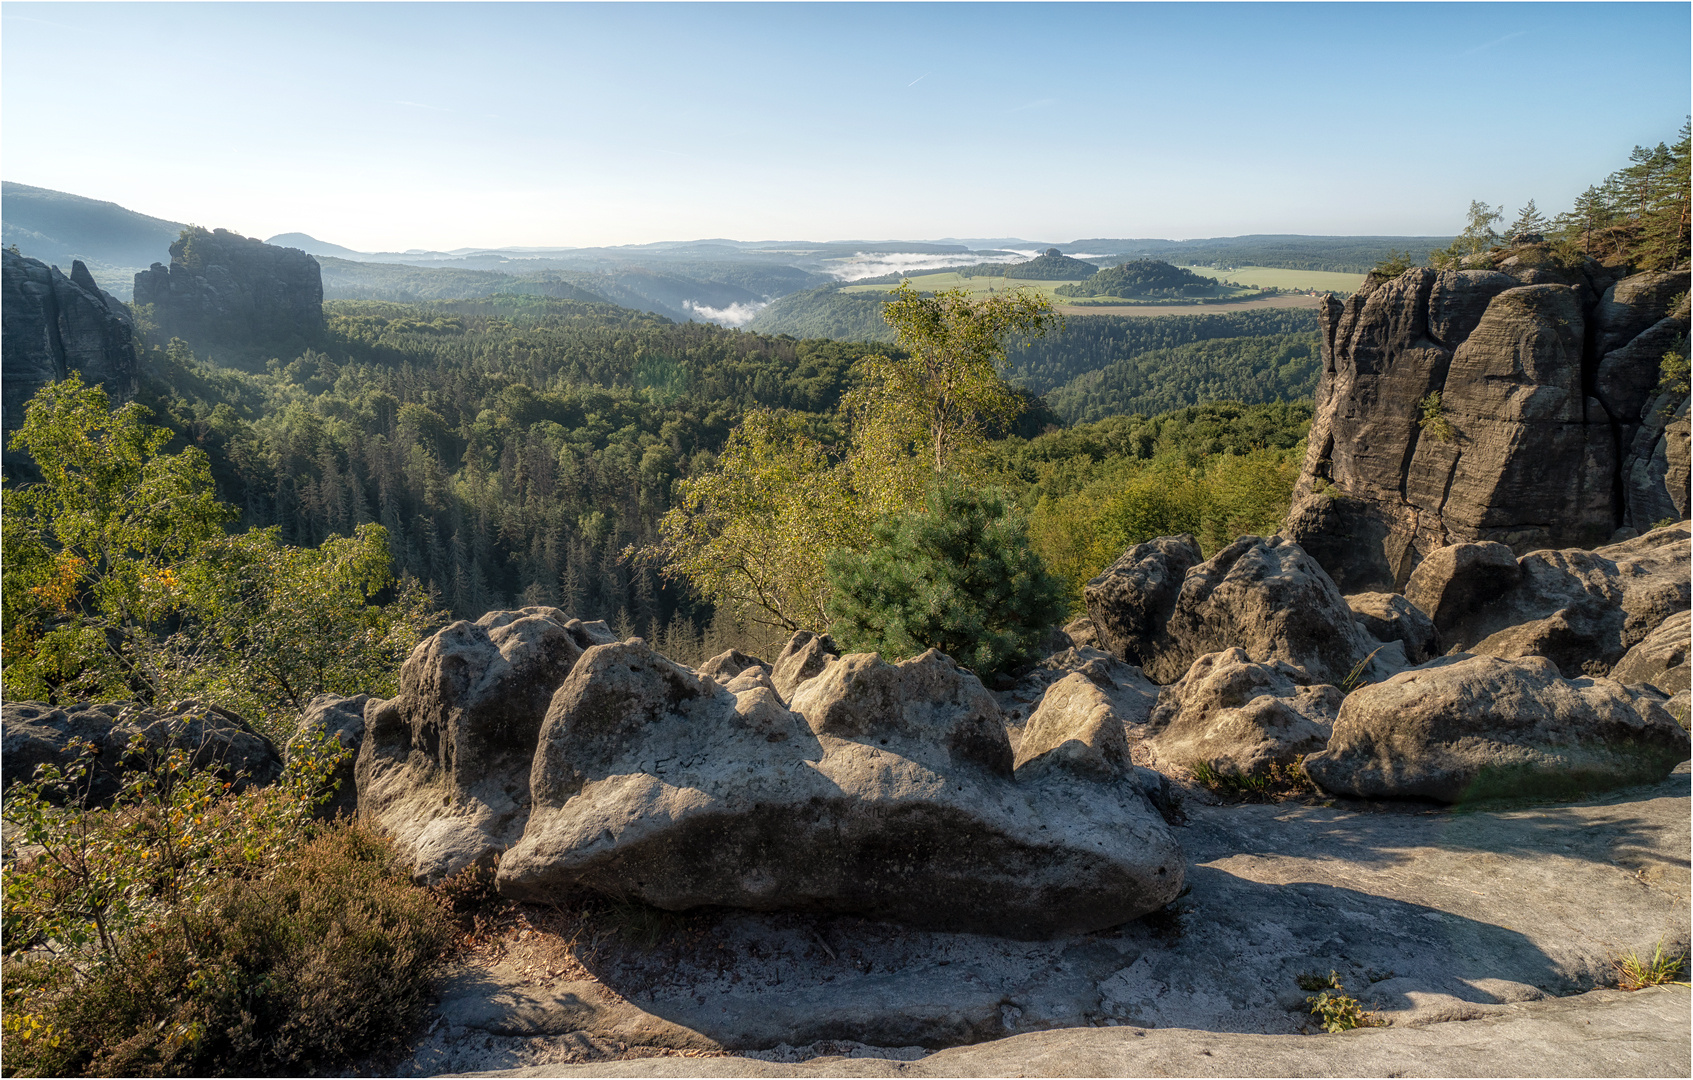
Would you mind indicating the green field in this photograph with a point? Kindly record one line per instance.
(1250, 276)
(1320, 280)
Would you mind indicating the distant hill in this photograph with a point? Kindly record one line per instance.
(826, 313)
(1053, 265)
(1145, 279)
(56, 227)
(344, 279)
(311, 245)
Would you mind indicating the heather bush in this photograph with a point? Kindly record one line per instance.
(186, 930)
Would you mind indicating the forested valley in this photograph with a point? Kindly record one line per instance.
(516, 448)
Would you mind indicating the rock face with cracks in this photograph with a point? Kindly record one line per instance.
(444, 768)
(1162, 608)
(1466, 727)
(1547, 433)
(886, 790)
(1240, 718)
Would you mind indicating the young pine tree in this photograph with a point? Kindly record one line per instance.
(960, 576)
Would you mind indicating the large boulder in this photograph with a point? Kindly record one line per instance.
(34, 734)
(333, 717)
(886, 791)
(1541, 369)
(1265, 596)
(1239, 718)
(1472, 727)
(1122, 686)
(1132, 599)
(1660, 659)
(1390, 617)
(1582, 609)
(444, 768)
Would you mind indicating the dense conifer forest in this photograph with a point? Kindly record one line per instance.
(517, 447)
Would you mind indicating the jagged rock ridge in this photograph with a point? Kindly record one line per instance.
(54, 325)
(1550, 431)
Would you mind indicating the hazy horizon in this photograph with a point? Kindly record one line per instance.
(390, 127)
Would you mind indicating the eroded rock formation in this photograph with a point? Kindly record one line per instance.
(223, 289)
(1239, 718)
(1466, 727)
(1549, 431)
(1162, 608)
(444, 767)
(886, 790)
(52, 326)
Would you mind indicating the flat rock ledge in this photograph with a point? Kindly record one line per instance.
(1497, 926)
(1601, 1033)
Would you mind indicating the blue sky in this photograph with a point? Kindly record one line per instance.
(391, 126)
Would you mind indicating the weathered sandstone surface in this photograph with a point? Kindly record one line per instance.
(1550, 434)
(1465, 728)
(1582, 609)
(1161, 607)
(886, 790)
(444, 766)
(1239, 718)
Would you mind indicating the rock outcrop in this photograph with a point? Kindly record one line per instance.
(1472, 727)
(34, 734)
(1161, 608)
(1545, 433)
(802, 658)
(444, 768)
(1582, 609)
(1240, 718)
(886, 790)
(224, 290)
(50, 326)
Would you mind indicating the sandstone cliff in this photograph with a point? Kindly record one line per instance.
(225, 290)
(52, 326)
(1550, 430)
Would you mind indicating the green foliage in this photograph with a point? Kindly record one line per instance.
(1218, 471)
(1530, 222)
(187, 931)
(1338, 1011)
(121, 583)
(961, 577)
(752, 534)
(1673, 372)
(945, 393)
(1145, 279)
(1091, 342)
(1394, 264)
(1635, 972)
(1051, 265)
(827, 312)
(1433, 418)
